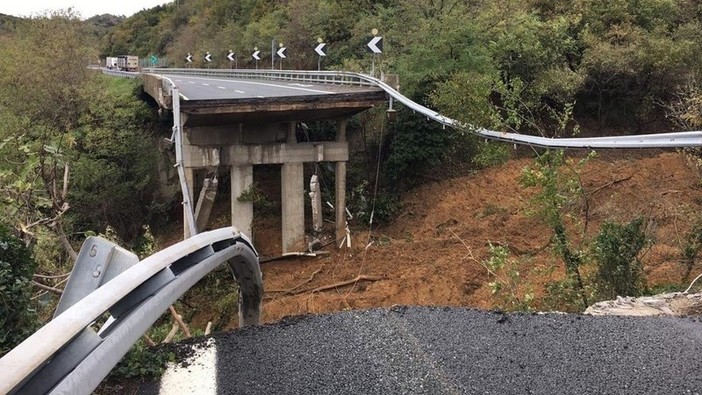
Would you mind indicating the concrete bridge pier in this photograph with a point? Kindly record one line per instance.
(292, 190)
(340, 185)
(242, 211)
(245, 145)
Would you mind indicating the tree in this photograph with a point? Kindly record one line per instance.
(41, 97)
(557, 189)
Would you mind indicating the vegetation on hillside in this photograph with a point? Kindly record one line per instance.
(77, 152)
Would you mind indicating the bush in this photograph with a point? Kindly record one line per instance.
(114, 166)
(616, 248)
(143, 362)
(17, 318)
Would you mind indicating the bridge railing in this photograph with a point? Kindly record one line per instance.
(120, 73)
(657, 140)
(67, 356)
(319, 77)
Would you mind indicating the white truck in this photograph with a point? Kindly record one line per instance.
(128, 63)
(111, 62)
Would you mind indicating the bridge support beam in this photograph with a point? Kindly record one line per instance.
(242, 211)
(340, 187)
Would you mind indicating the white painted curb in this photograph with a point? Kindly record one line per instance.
(199, 377)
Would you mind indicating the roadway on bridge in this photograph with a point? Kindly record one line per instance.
(218, 88)
(422, 350)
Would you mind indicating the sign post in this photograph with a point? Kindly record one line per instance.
(376, 46)
(255, 56)
(281, 54)
(232, 58)
(320, 51)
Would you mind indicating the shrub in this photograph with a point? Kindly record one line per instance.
(17, 318)
(616, 249)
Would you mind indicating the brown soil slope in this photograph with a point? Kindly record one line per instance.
(432, 253)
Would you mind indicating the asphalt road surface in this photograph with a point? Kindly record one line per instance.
(421, 350)
(213, 88)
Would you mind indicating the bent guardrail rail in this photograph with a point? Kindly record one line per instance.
(658, 140)
(67, 356)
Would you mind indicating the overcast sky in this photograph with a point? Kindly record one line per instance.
(86, 8)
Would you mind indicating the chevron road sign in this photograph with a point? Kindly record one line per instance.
(255, 55)
(208, 57)
(376, 44)
(320, 49)
(189, 58)
(281, 52)
(231, 55)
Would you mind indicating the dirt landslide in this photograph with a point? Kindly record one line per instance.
(432, 253)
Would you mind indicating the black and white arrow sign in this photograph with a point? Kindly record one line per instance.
(189, 58)
(281, 52)
(208, 57)
(231, 56)
(255, 55)
(320, 49)
(376, 44)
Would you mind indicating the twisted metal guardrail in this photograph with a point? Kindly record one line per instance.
(66, 356)
(658, 140)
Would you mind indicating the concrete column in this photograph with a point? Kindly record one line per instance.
(242, 212)
(190, 181)
(340, 187)
(293, 201)
(205, 201)
(293, 207)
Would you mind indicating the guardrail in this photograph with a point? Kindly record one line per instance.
(658, 140)
(119, 73)
(67, 356)
(319, 77)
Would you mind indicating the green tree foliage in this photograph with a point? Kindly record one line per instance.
(616, 249)
(41, 100)
(558, 187)
(75, 154)
(17, 318)
(634, 52)
(115, 162)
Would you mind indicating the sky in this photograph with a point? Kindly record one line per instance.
(86, 8)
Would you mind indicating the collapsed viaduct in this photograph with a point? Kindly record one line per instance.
(240, 123)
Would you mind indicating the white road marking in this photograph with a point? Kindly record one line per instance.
(298, 84)
(264, 84)
(205, 84)
(221, 87)
(184, 97)
(261, 97)
(191, 82)
(198, 378)
(238, 91)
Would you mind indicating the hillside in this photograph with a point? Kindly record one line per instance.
(432, 253)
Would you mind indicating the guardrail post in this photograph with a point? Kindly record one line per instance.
(98, 262)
